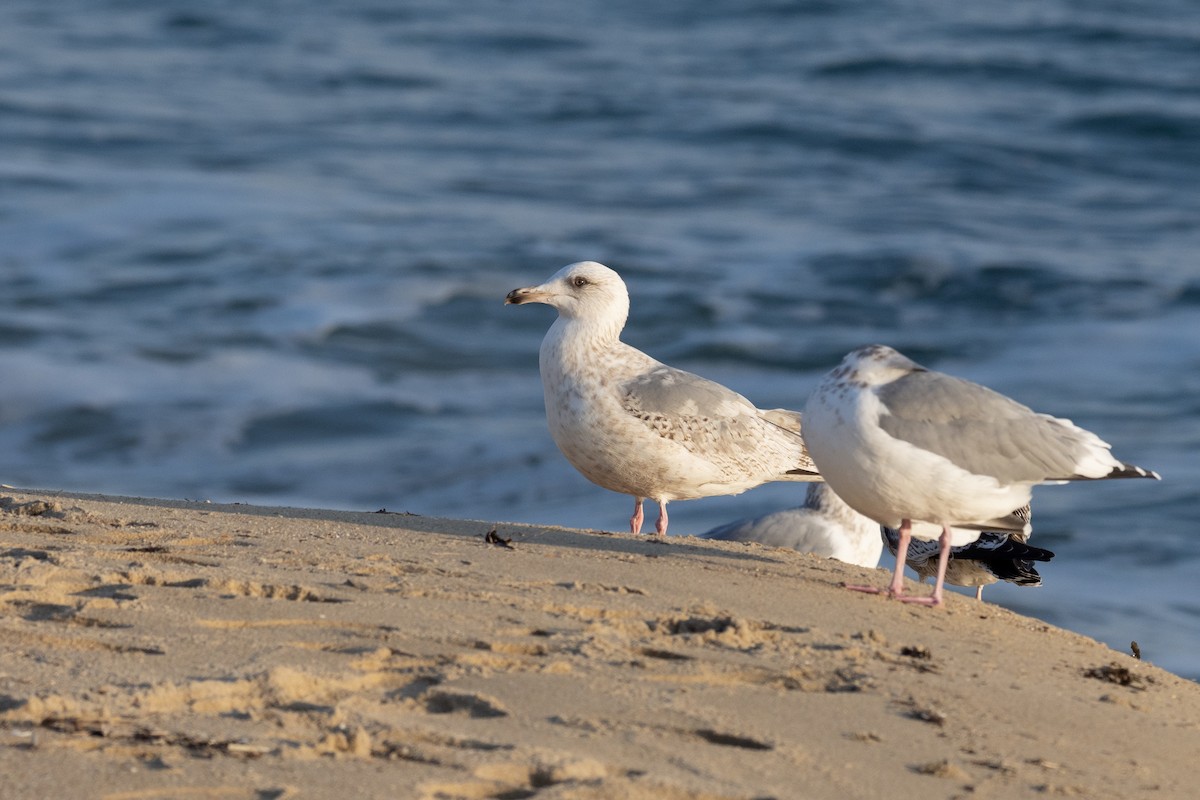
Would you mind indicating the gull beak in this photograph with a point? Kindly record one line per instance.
(530, 294)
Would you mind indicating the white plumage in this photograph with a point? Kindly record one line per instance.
(824, 526)
(902, 444)
(636, 426)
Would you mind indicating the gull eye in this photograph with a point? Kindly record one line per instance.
(579, 281)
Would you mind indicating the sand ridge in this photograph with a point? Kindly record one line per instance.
(157, 649)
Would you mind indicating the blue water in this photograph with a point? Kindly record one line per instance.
(257, 251)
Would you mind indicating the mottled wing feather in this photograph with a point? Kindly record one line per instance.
(981, 431)
(920, 551)
(705, 417)
(1025, 515)
(790, 421)
(674, 392)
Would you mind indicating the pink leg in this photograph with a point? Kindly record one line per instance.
(935, 599)
(979, 593)
(896, 588)
(661, 526)
(635, 522)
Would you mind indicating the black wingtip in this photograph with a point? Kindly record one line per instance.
(1123, 471)
(1132, 471)
(810, 473)
(1021, 573)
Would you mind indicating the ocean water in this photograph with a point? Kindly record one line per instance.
(257, 252)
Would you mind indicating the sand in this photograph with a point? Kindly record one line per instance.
(159, 649)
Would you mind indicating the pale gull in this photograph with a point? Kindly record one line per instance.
(824, 526)
(639, 427)
(901, 443)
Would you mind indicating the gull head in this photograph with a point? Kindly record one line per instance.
(875, 365)
(587, 291)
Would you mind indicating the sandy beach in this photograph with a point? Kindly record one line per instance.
(160, 649)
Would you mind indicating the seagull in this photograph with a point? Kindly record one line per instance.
(824, 526)
(903, 444)
(634, 425)
(994, 556)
